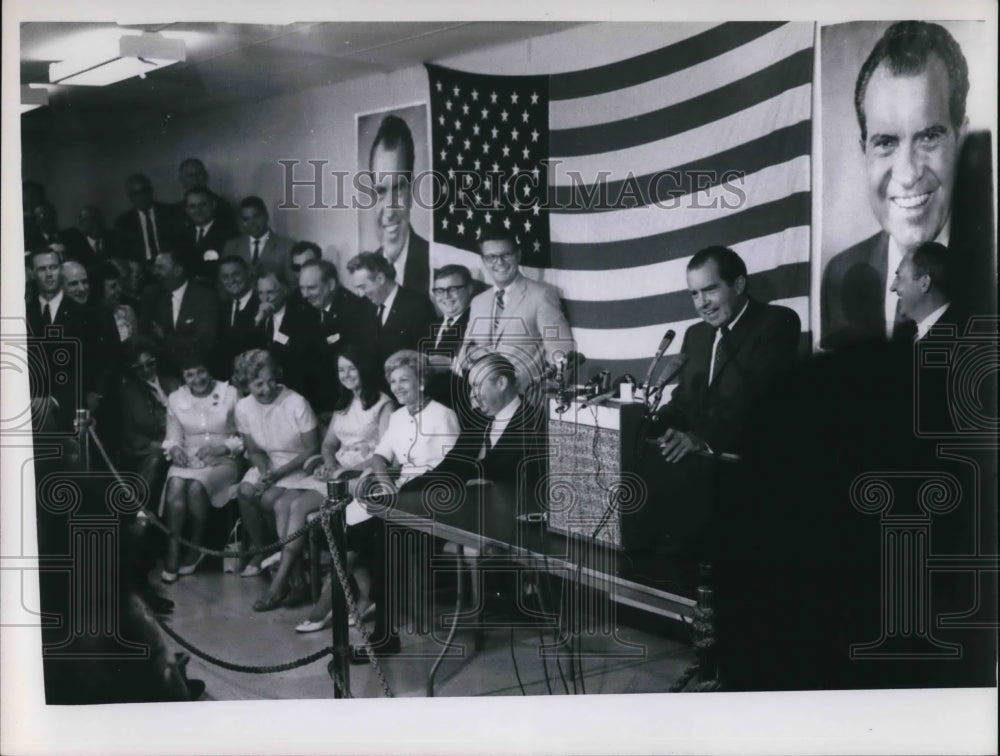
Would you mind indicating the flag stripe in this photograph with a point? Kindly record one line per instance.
(762, 220)
(786, 280)
(743, 93)
(670, 59)
(790, 245)
(680, 86)
(732, 198)
(775, 146)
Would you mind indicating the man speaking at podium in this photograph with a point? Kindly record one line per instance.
(731, 358)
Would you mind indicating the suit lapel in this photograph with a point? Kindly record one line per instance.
(515, 294)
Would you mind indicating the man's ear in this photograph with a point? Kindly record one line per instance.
(740, 284)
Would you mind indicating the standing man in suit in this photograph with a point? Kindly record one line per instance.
(47, 232)
(54, 399)
(301, 253)
(400, 318)
(924, 287)
(279, 326)
(182, 310)
(238, 330)
(192, 173)
(97, 243)
(731, 358)
(391, 164)
(258, 244)
(332, 317)
(453, 293)
(519, 318)
(205, 237)
(910, 99)
(140, 233)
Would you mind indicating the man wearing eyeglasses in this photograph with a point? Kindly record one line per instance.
(453, 289)
(518, 318)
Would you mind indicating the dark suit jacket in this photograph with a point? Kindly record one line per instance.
(445, 386)
(318, 343)
(417, 273)
(760, 345)
(203, 257)
(293, 333)
(225, 215)
(197, 319)
(69, 356)
(273, 257)
(128, 231)
(144, 419)
(238, 337)
(82, 252)
(407, 325)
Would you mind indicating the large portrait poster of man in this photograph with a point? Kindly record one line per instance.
(908, 111)
(393, 146)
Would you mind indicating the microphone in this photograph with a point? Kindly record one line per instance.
(600, 397)
(673, 367)
(665, 342)
(562, 363)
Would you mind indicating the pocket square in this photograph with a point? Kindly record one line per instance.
(333, 338)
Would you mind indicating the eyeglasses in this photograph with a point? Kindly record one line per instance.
(502, 257)
(447, 291)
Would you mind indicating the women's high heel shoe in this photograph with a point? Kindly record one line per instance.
(312, 626)
(189, 569)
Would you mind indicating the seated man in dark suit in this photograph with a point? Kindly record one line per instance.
(401, 318)
(332, 317)
(259, 244)
(731, 358)
(238, 330)
(140, 233)
(203, 241)
(181, 310)
(300, 253)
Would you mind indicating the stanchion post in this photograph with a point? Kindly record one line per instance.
(337, 492)
(81, 424)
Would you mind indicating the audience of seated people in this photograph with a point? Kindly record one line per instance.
(172, 305)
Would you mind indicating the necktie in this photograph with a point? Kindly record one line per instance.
(719, 355)
(269, 329)
(487, 441)
(232, 317)
(97, 246)
(444, 326)
(381, 312)
(152, 247)
(497, 314)
(256, 251)
(46, 314)
(201, 234)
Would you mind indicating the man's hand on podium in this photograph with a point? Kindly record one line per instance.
(676, 445)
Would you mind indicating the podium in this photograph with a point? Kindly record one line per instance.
(592, 480)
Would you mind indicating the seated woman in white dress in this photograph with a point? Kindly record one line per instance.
(419, 436)
(202, 445)
(280, 433)
(359, 421)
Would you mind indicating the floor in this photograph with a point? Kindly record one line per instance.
(213, 612)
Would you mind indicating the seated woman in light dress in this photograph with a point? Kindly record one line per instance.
(202, 445)
(280, 433)
(359, 421)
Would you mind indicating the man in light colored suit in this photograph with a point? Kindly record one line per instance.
(518, 318)
(261, 247)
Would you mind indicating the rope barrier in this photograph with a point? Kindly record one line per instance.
(232, 666)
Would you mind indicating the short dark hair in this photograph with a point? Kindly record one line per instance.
(326, 268)
(189, 356)
(33, 253)
(393, 133)
(136, 346)
(305, 246)
(252, 202)
(200, 189)
(142, 179)
(454, 270)
(498, 235)
(177, 258)
(193, 161)
(496, 365)
(906, 48)
(234, 259)
(934, 260)
(374, 263)
(730, 264)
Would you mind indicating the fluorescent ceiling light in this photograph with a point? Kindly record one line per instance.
(33, 97)
(137, 56)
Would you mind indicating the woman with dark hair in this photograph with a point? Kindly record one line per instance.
(359, 420)
(144, 395)
(280, 433)
(202, 444)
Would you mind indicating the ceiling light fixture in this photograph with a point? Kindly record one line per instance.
(137, 55)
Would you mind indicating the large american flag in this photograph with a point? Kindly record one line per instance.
(612, 177)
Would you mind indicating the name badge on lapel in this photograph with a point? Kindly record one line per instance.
(333, 338)
(281, 338)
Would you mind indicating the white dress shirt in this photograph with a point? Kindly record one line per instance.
(52, 303)
(175, 300)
